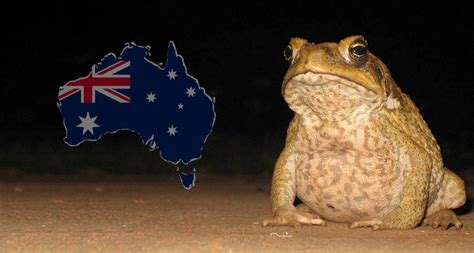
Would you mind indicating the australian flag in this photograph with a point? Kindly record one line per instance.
(165, 106)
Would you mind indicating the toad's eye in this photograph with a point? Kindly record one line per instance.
(288, 53)
(358, 52)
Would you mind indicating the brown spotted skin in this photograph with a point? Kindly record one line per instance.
(357, 150)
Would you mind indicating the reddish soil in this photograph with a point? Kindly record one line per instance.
(158, 215)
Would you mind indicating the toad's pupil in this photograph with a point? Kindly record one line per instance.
(359, 50)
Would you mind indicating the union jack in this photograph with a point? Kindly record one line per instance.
(105, 81)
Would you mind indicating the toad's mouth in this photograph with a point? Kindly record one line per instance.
(311, 78)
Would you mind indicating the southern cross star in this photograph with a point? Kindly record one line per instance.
(190, 92)
(151, 97)
(172, 74)
(172, 130)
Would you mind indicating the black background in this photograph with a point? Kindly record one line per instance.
(235, 51)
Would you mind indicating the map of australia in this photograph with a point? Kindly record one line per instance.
(164, 106)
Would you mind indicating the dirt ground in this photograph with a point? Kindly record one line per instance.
(156, 214)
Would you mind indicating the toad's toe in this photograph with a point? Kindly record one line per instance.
(443, 219)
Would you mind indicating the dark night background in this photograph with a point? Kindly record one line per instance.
(236, 53)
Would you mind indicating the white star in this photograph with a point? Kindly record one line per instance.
(87, 124)
(151, 97)
(190, 92)
(180, 106)
(172, 130)
(172, 74)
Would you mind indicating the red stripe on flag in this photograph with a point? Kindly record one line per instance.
(95, 81)
(118, 94)
(111, 81)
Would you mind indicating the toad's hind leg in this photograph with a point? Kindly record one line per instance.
(451, 195)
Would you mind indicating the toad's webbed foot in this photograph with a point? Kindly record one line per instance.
(443, 219)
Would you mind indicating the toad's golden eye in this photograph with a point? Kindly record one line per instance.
(288, 53)
(358, 48)
(358, 52)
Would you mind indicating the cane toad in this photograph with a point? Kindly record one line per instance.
(357, 150)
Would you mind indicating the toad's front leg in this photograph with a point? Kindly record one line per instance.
(283, 196)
